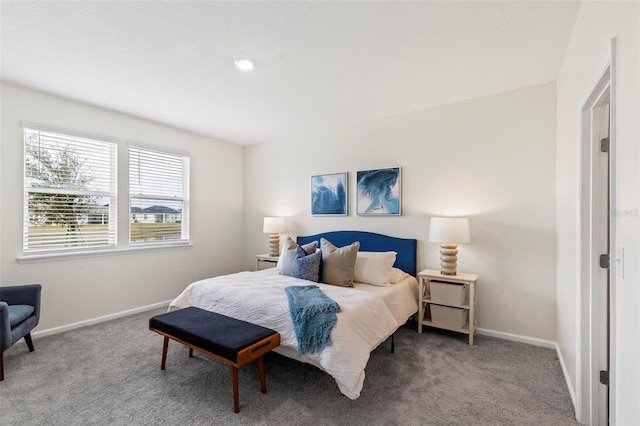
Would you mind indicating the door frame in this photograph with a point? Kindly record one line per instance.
(587, 329)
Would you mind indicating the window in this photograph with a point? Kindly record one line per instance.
(69, 192)
(158, 197)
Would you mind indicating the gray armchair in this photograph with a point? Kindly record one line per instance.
(19, 314)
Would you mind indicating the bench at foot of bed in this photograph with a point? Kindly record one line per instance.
(229, 340)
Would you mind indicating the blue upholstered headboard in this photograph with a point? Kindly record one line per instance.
(370, 241)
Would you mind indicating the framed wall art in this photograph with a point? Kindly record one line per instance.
(329, 194)
(379, 192)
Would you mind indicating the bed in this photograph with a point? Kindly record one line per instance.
(369, 314)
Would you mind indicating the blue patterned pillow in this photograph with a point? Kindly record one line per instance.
(307, 266)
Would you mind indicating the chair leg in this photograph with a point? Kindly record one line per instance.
(27, 339)
(1, 366)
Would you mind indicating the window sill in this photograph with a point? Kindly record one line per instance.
(50, 257)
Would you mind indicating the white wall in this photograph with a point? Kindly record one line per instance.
(82, 289)
(596, 24)
(491, 158)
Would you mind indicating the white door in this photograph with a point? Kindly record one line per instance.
(597, 284)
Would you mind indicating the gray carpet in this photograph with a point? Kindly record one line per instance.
(109, 374)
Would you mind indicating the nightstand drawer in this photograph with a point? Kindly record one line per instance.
(448, 317)
(447, 293)
(264, 261)
(265, 264)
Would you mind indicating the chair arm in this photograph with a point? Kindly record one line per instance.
(5, 327)
(23, 295)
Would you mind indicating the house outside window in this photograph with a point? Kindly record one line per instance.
(158, 197)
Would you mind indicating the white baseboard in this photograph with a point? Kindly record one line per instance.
(536, 342)
(68, 327)
(518, 338)
(572, 392)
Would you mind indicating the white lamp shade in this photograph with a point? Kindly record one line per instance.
(449, 230)
(273, 225)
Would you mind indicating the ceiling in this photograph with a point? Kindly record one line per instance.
(318, 64)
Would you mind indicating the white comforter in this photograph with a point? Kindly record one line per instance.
(364, 321)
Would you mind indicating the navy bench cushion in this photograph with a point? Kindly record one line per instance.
(215, 333)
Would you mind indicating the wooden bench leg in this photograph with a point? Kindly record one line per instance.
(263, 382)
(236, 398)
(164, 352)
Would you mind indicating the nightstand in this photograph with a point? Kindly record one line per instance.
(448, 302)
(265, 261)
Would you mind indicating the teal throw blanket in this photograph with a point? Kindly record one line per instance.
(313, 315)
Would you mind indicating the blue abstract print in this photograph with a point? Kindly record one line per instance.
(379, 191)
(329, 194)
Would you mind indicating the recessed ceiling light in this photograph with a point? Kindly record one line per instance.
(244, 64)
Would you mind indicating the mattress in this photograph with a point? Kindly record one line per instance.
(401, 298)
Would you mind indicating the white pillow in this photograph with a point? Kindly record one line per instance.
(374, 267)
(397, 275)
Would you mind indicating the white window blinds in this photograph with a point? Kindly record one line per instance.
(69, 192)
(158, 197)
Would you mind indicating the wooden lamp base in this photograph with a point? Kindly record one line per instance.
(274, 245)
(448, 259)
